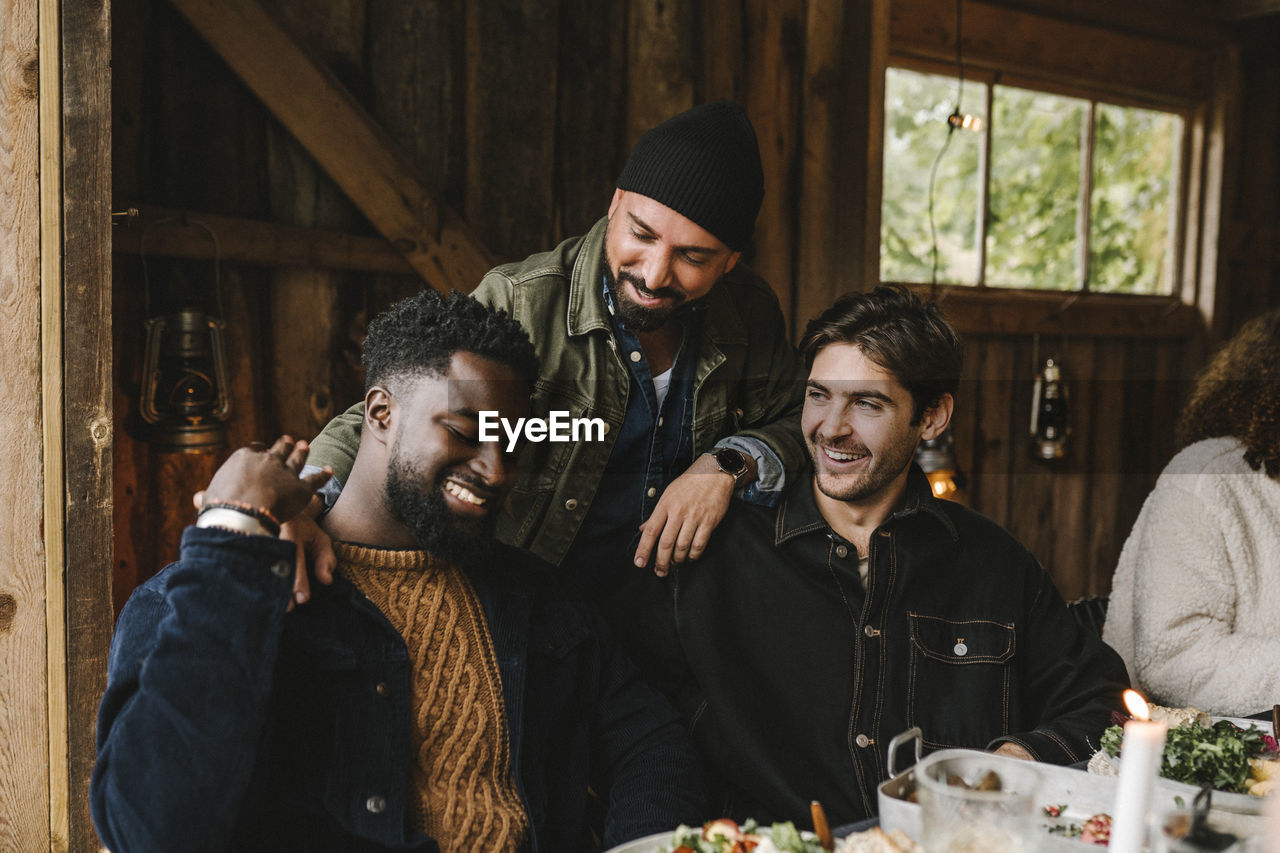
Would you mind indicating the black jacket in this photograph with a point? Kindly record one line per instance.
(796, 679)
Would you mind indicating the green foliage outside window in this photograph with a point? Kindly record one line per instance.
(1035, 190)
(1135, 161)
(1034, 228)
(916, 110)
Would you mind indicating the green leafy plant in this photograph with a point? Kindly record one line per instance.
(1217, 756)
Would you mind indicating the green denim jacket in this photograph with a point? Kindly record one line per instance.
(747, 382)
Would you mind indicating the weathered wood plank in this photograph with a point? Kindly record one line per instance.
(1245, 10)
(303, 303)
(1031, 479)
(1023, 42)
(866, 55)
(776, 37)
(310, 102)
(993, 311)
(252, 241)
(1106, 533)
(415, 52)
(724, 39)
(1186, 21)
(820, 277)
(1070, 486)
(87, 354)
(24, 711)
(512, 51)
(994, 444)
(660, 77)
(590, 113)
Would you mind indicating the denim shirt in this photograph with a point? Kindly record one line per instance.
(652, 448)
(798, 676)
(230, 725)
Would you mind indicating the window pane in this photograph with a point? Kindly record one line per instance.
(916, 110)
(1035, 189)
(1135, 177)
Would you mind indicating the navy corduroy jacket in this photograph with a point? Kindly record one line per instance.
(229, 724)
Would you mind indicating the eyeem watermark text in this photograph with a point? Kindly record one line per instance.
(558, 426)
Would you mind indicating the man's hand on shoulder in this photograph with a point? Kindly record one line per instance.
(269, 480)
(688, 512)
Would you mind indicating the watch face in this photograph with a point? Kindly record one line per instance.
(731, 461)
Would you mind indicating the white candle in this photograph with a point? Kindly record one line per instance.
(1140, 754)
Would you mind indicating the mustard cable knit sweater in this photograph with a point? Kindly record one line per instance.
(462, 768)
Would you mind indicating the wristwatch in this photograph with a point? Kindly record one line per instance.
(731, 461)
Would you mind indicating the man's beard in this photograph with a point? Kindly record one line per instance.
(884, 468)
(638, 318)
(421, 507)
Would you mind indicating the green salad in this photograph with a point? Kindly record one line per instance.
(1216, 755)
(725, 836)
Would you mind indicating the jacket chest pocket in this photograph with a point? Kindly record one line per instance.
(959, 679)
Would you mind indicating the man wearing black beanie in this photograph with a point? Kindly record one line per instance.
(649, 323)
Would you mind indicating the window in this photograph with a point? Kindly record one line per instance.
(1053, 192)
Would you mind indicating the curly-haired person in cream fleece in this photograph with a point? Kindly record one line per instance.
(1196, 594)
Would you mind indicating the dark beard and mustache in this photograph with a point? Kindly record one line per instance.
(421, 507)
(637, 318)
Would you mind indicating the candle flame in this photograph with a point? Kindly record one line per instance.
(1138, 707)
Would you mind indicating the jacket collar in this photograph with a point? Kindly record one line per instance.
(586, 307)
(798, 513)
(722, 323)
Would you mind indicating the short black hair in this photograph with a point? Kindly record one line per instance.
(898, 331)
(420, 335)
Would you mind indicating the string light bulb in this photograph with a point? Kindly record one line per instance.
(964, 121)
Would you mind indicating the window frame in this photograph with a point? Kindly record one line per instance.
(1094, 96)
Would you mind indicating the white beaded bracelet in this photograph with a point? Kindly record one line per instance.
(233, 520)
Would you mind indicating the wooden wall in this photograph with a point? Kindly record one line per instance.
(519, 113)
(24, 708)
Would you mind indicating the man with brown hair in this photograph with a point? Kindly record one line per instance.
(813, 633)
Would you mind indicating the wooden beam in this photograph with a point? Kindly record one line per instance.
(773, 87)
(1245, 10)
(991, 311)
(1033, 45)
(343, 139)
(659, 78)
(83, 285)
(180, 234)
(1186, 21)
(27, 797)
(53, 419)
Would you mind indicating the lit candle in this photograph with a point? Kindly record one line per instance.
(1140, 754)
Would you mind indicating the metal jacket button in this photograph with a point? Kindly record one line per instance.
(635, 356)
(282, 569)
(842, 551)
(571, 504)
(863, 741)
(652, 491)
(375, 804)
(961, 650)
(384, 690)
(870, 631)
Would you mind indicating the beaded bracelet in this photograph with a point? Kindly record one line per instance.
(262, 514)
(233, 520)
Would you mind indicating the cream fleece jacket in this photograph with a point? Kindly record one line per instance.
(1195, 602)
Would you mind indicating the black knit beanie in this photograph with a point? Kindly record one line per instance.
(705, 165)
